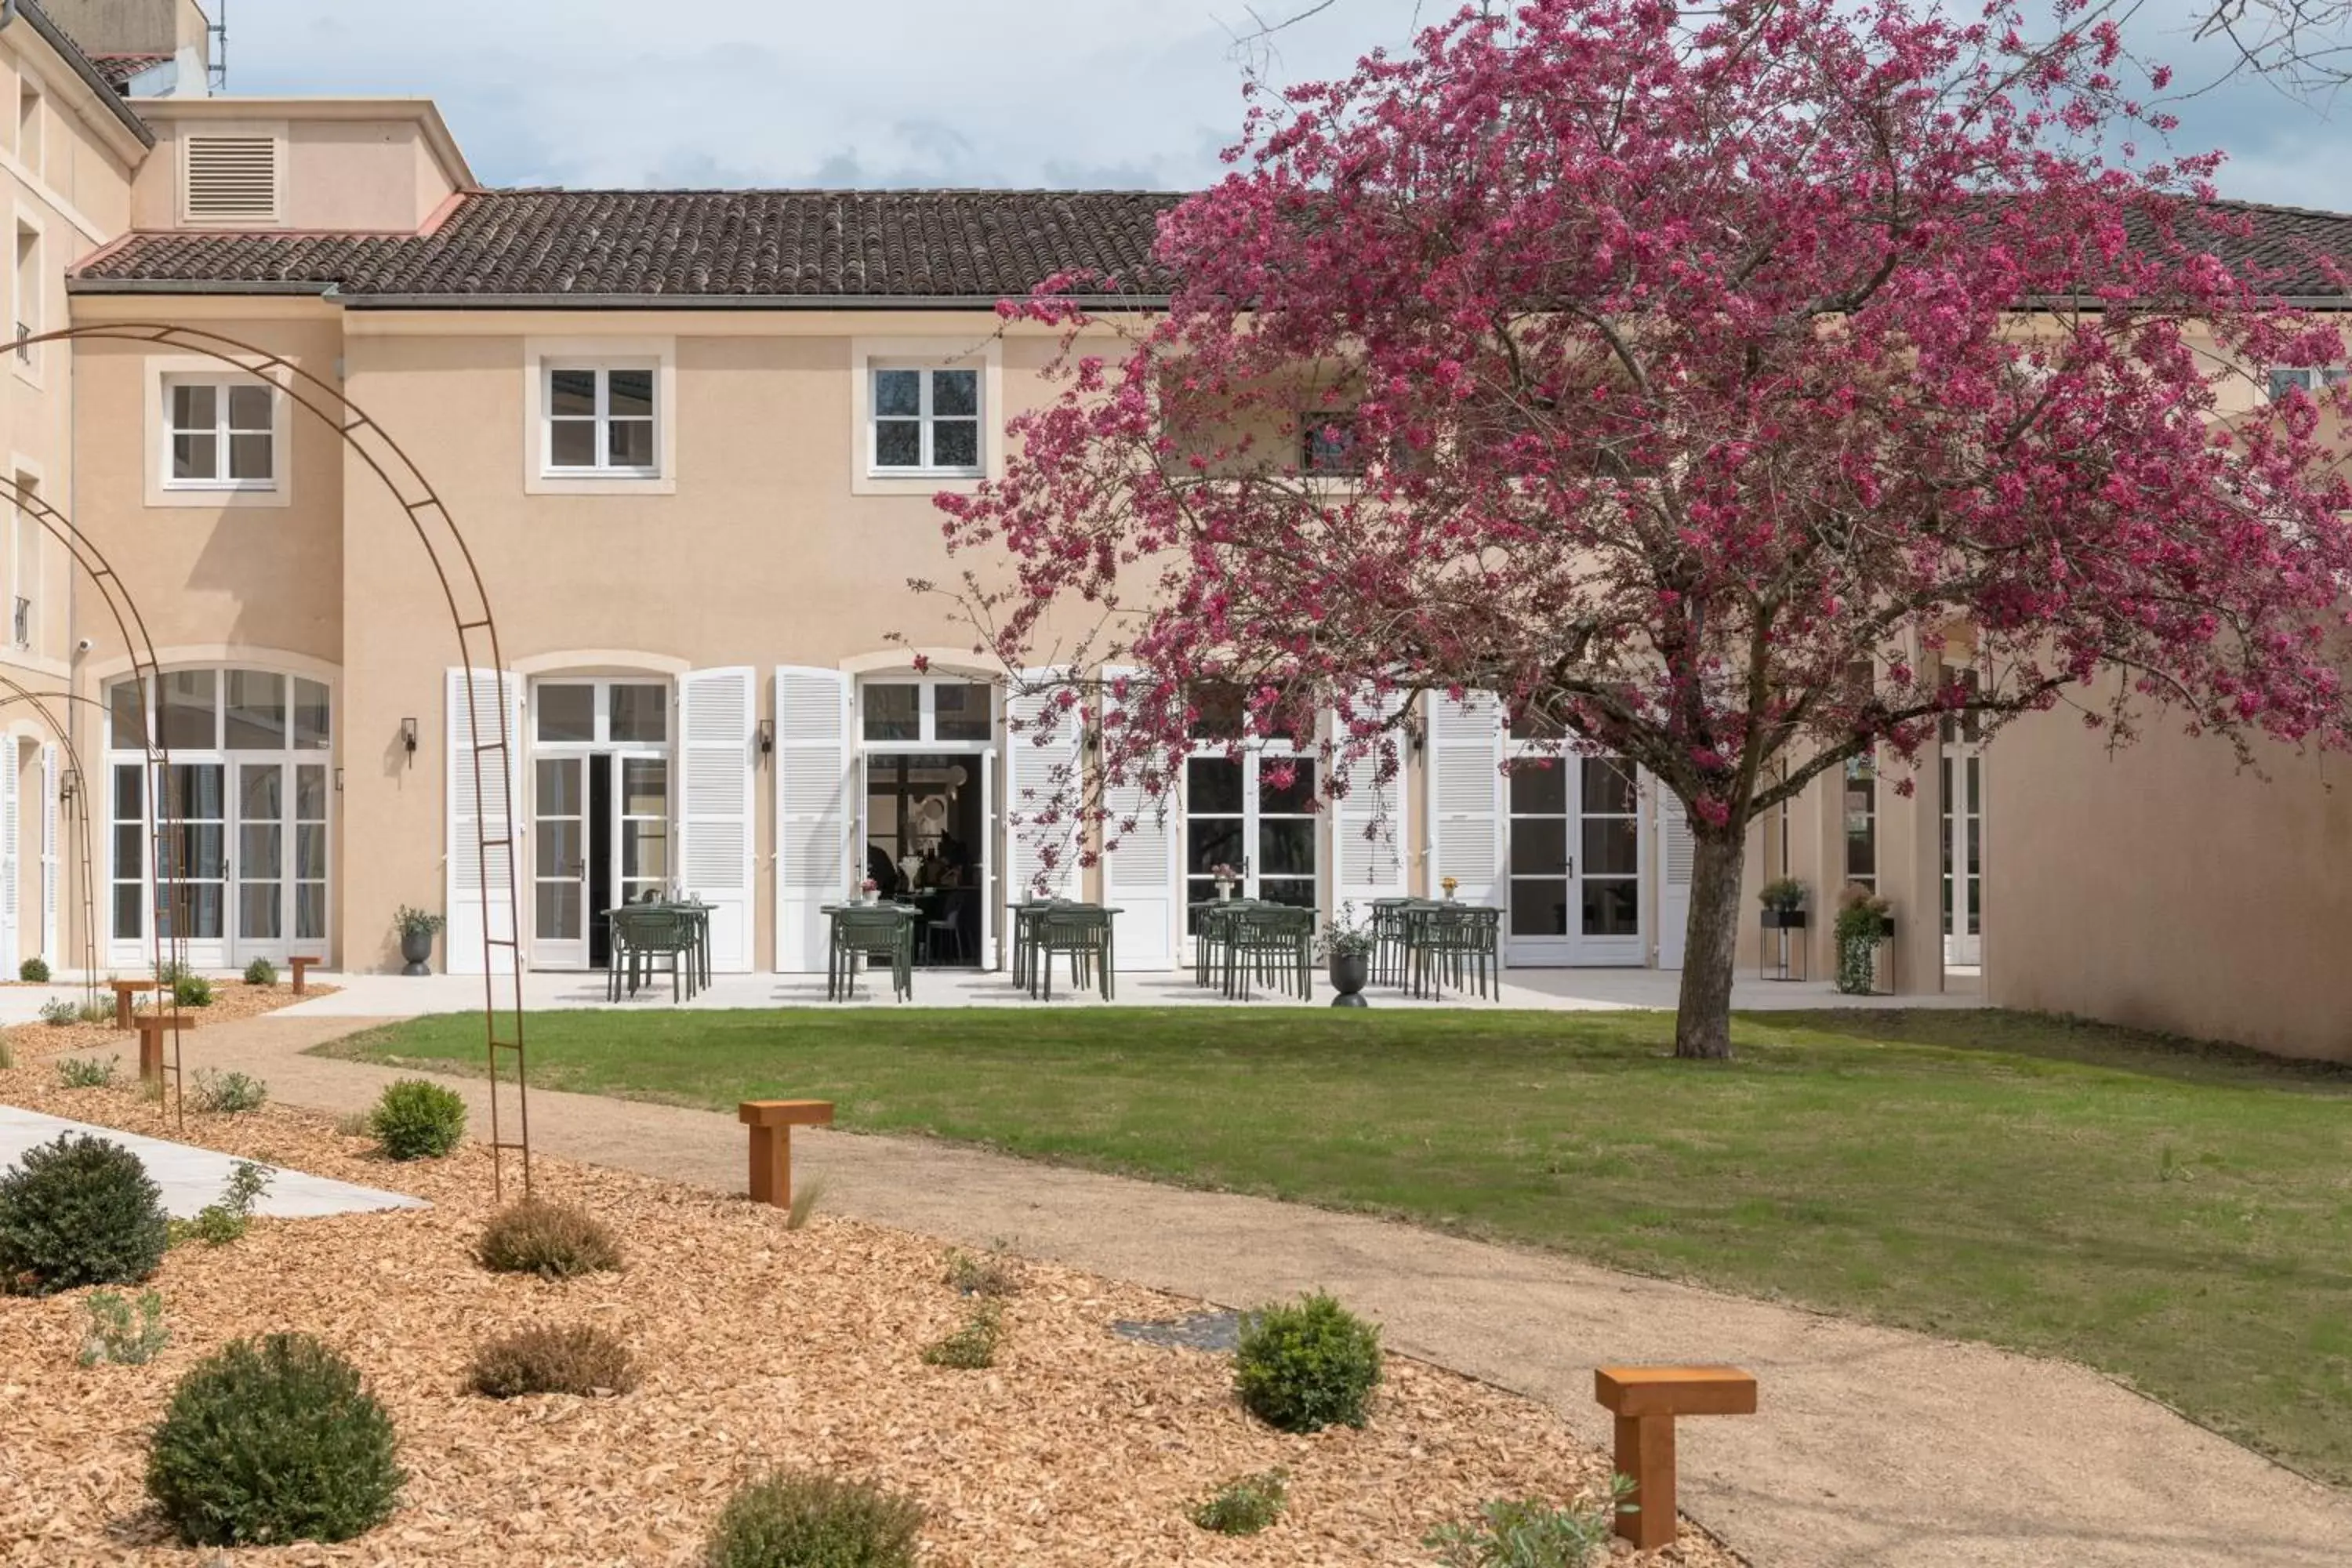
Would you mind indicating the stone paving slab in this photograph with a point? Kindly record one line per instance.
(192, 1177)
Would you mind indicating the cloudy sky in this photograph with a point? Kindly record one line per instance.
(963, 92)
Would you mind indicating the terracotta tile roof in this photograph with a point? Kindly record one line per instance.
(596, 246)
(116, 70)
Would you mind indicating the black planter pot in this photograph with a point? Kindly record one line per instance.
(1784, 919)
(1349, 973)
(416, 947)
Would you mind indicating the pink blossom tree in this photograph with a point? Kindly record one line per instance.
(1691, 383)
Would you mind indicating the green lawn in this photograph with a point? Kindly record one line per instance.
(2180, 1218)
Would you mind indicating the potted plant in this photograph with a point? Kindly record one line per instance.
(867, 890)
(1347, 948)
(1784, 904)
(1446, 884)
(417, 929)
(1864, 921)
(1223, 875)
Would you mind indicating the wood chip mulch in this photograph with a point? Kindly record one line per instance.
(760, 1346)
(232, 1000)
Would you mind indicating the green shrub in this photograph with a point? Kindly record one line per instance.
(191, 991)
(261, 971)
(36, 970)
(78, 1211)
(579, 1359)
(800, 1519)
(989, 1275)
(1242, 1506)
(219, 1222)
(554, 1241)
(415, 1120)
(1305, 1367)
(228, 1093)
(85, 1073)
(122, 1334)
(273, 1440)
(973, 1346)
(60, 1010)
(1531, 1533)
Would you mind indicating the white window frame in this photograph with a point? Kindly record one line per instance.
(541, 357)
(2313, 379)
(28, 296)
(222, 430)
(602, 419)
(926, 420)
(927, 738)
(867, 355)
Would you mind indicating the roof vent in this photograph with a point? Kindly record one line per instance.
(232, 179)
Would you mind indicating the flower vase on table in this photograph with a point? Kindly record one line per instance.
(868, 890)
(1224, 876)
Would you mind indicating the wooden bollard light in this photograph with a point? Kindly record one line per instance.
(771, 1123)
(151, 1028)
(1645, 1401)
(126, 991)
(301, 965)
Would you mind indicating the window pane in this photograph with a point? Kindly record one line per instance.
(1612, 907)
(955, 443)
(897, 392)
(567, 712)
(258, 847)
(559, 852)
(200, 851)
(558, 790)
(644, 850)
(258, 907)
(1539, 789)
(310, 911)
(129, 730)
(129, 798)
(1539, 909)
(1540, 846)
(897, 444)
(571, 443)
(195, 457)
(644, 787)
(571, 392)
(559, 912)
(959, 712)
(1213, 784)
(1610, 847)
(310, 793)
(631, 393)
(1211, 842)
(128, 900)
(311, 850)
(1299, 796)
(629, 443)
(1608, 789)
(256, 711)
(130, 852)
(193, 408)
(1217, 710)
(640, 714)
(893, 713)
(310, 721)
(248, 408)
(261, 795)
(1286, 848)
(955, 391)
(190, 702)
(250, 458)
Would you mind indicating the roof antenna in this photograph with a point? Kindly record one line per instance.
(217, 66)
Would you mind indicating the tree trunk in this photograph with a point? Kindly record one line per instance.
(1702, 1011)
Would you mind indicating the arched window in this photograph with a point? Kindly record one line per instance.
(245, 805)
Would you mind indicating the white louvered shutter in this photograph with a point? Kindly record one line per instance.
(716, 755)
(477, 875)
(1368, 829)
(50, 860)
(1465, 783)
(232, 179)
(1675, 850)
(11, 825)
(1142, 873)
(815, 815)
(1042, 746)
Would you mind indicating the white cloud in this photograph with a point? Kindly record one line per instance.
(972, 93)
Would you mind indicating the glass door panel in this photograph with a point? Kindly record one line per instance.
(1283, 870)
(1537, 912)
(1575, 859)
(1245, 814)
(260, 852)
(310, 852)
(559, 861)
(644, 837)
(1963, 857)
(1215, 822)
(1609, 877)
(195, 808)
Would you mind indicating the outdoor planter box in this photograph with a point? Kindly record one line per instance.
(1784, 919)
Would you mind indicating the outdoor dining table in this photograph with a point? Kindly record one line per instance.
(1219, 923)
(694, 919)
(1418, 943)
(1032, 946)
(839, 986)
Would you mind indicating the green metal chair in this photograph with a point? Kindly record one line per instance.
(659, 940)
(1274, 945)
(883, 933)
(1456, 943)
(1081, 931)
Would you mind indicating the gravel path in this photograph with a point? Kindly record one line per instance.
(1874, 1446)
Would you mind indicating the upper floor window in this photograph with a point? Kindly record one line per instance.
(600, 421)
(220, 434)
(2311, 378)
(925, 420)
(1327, 443)
(28, 125)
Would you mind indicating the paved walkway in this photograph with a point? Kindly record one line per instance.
(1874, 1446)
(191, 1177)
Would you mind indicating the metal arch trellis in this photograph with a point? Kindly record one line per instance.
(477, 642)
(39, 701)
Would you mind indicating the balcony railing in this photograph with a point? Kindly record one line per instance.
(20, 625)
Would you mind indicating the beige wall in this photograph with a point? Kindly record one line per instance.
(2161, 888)
(346, 164)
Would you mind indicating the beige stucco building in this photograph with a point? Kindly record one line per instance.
(691, 441)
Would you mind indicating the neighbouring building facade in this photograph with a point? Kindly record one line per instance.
(691, 440)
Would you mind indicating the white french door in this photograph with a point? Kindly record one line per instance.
(1242, 812)
(1963, 853)
(559, 934)
(1577, 864)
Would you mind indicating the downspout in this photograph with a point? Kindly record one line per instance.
(7, 13)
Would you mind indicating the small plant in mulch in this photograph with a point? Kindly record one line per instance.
(1244, 1505)
(35, 970)
(1303, 1367)
(60, 1012)
(416, 1119)
(973, 1346)
(273, 1440)
(122, 1332)
(261, 971)
(219, 1222)
(580, 1360)
(227, 1093)
(798, 1519)
(189, 989)
(1527, 1532)
(806, 1199)
(85, 1073)
(78, 1211)
(554, 1241)
(991, 1274)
